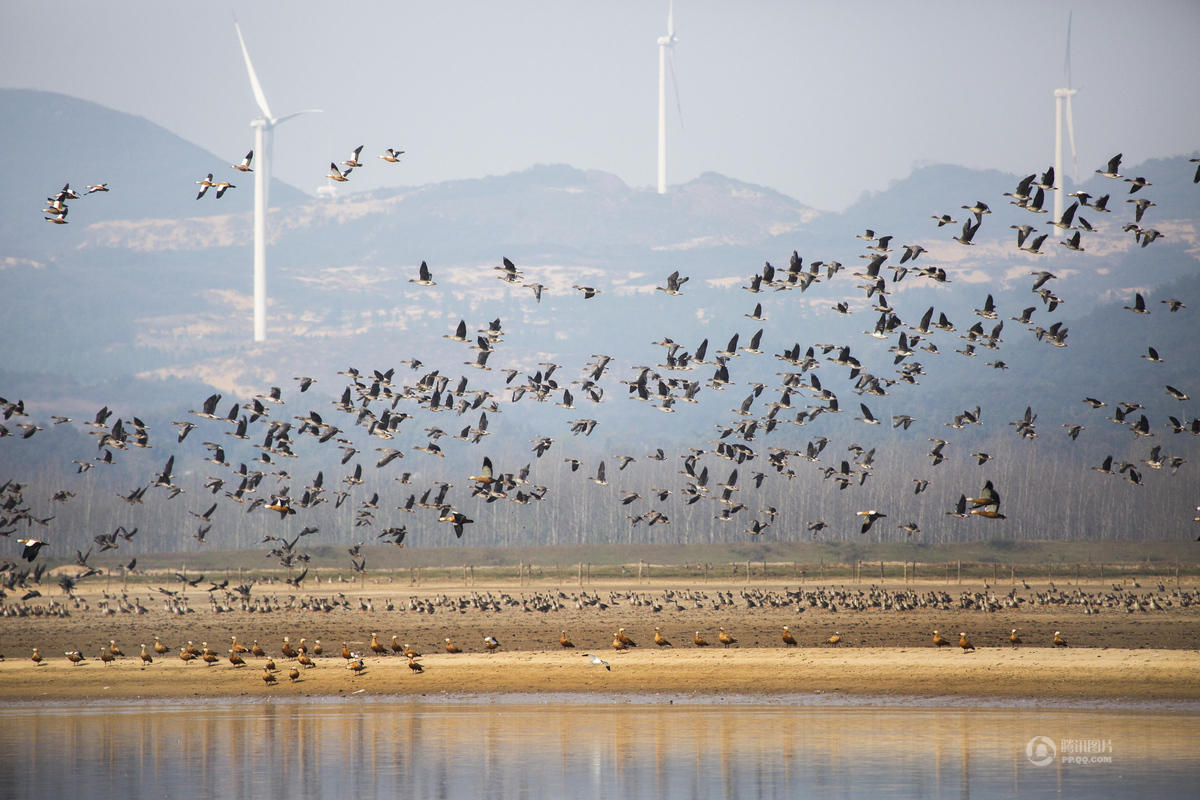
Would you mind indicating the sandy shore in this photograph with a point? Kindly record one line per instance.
(1080, 674)
(1113, 655)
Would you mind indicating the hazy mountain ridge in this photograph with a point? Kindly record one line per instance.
(168, 297)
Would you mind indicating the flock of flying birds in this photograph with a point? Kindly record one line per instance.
(375, 404)
(56, 208)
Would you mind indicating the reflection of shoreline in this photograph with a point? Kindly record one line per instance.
(365, 748)
(1095, 678)
(832, 700)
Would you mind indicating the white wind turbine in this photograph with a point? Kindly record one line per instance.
(664, 42)
(1059, 96)
(264, 129)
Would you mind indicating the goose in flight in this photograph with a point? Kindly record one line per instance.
(1140, 205)
(31, 547)
(987, 504)
(1111, 171)
(1067, 221)
(204, 183)
(392, 156)
(867, 416)
(336, 174)
(1139, 304)
(1137, 183)
(353, 161)
(425, 278)
(979, 209)
(485, 474)
(245, 165)
(968, 233)
(674, 282)
(869, 518)
(457, 520)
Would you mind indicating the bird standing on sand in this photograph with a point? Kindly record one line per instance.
(1014, 638)
(939, 640)
(1058, 640)
(788, 639)
(724, 638)
(660, 640)
(965, 643)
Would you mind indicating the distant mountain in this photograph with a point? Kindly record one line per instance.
(547, 209)
(49, 139)
(158, 284)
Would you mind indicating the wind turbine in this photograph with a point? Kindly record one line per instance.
(1059, 96)
(264, 130)
(664, 42)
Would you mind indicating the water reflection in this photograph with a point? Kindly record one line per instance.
(371, 747)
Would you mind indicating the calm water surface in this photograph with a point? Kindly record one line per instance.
(517, 747)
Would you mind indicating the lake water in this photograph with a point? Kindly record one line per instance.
(566, 746)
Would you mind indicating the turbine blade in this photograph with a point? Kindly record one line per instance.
(286, 117)
(671, 19)
(675, 86)
(255, 87)
(1067, 63)
(1071, 137)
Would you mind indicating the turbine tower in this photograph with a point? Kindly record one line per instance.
(264, 133)
(1059, 96)
(664, 42)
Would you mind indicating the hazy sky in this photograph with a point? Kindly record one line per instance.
(822, 101)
